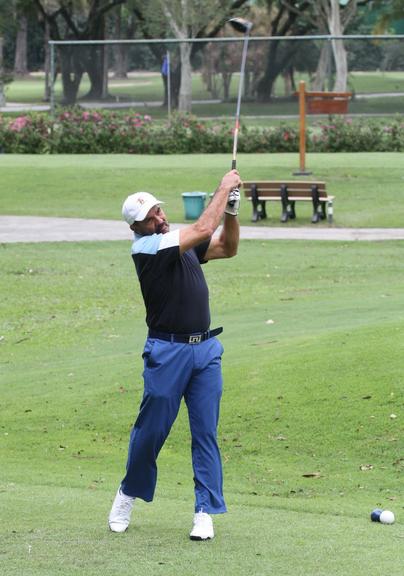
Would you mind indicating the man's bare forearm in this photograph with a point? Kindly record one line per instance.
(212, 216)
(230, 235)
(204, 228)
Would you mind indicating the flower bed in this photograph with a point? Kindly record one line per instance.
(95, 132)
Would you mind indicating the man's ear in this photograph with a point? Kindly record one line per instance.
(133, 227)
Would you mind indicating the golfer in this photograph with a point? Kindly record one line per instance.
(182, 357)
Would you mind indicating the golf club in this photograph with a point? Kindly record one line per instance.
(244, 26)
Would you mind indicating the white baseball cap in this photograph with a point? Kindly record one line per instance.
(136, 206)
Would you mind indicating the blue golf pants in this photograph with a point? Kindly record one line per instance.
(172, 371)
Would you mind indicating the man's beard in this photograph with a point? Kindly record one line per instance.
(163, 228)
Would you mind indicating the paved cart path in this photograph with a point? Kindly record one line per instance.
(44, 229)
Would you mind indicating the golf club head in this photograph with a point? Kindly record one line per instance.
(241, 24)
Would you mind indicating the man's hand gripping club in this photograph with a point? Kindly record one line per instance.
(233, 202)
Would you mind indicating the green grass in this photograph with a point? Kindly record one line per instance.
(312, 392)
(148, 88)
(376, 82)
(368, 188)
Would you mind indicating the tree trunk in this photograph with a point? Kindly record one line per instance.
(340, 55)
(175, 84)
(288, 82)
(20, 60)
(2, 95)
(105, 72)
(185, 96)
(266, 84)
(121, 61)
(47, 63)
(226, 77)
(181, 32)
(341, 66)
(120, 51)
(96, 63)
(322, 68)
(105, 63)
(165, 83)
(72, 72)
(283, 24)
(276, 65)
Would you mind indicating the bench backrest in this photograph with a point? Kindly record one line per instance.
(295, 188)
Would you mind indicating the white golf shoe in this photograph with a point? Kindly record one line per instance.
(203, 527)
(119, 517)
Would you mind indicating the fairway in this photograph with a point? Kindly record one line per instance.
(368, 188)
(311, 427)
(201, 288)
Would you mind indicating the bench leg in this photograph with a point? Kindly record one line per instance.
(259, 211)
(291, 210)
(330, 211)
(322, 213)
(254, 202)
(316, 202)
(285, 203)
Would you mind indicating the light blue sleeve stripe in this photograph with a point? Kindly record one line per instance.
(152, 244)
(146, 244)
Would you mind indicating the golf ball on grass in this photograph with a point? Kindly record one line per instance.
(382, 516)
(387, 517)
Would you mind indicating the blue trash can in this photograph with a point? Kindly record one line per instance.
(194, 204)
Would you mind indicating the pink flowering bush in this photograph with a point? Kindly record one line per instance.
(28, 134)
(93, 132)
(19, 123)
(77, 131)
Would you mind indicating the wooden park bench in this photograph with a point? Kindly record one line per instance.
(288, 193)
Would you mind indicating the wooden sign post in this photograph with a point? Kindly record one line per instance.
(302, 132)
(316, 103)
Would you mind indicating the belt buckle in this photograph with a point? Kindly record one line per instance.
(196, 339)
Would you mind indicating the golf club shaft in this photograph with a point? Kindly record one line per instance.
(240, 91)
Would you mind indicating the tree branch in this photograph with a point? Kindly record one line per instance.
(107, 7)
(299, 11)
(174, 25)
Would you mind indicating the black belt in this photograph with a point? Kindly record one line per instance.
(195, 338)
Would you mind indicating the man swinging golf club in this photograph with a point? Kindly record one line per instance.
(182, 357)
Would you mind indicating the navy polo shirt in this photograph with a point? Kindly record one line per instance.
(173, 286)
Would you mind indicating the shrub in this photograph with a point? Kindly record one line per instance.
(76, 131)
(281, 138)
(29, 134)
(359, 135)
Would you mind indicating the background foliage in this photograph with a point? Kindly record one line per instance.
(102, 132)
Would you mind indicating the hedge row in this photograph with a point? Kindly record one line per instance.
(78, 132)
